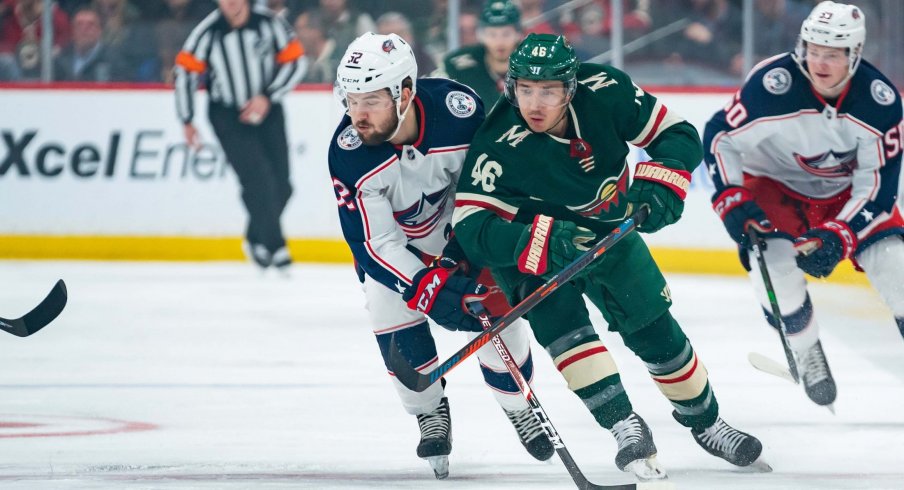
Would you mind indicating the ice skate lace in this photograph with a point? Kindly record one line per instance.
(525, 424)
(434, 424)
(627, 431)
(815, 367)
(722, 437)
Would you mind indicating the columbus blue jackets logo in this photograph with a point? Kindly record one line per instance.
(829, 164)
(460, 104)
(777, 81)
(348, 139)
(388, 46)
(421, 218)
(882, 93)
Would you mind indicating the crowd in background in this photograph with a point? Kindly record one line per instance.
(685, 42)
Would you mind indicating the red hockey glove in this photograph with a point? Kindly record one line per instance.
(738, 211)
(820, 249)
(444, 298)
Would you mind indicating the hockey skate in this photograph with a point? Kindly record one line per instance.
(818, 381)
(436, 438)
(636, 450)
(532, 435)
(730, 444)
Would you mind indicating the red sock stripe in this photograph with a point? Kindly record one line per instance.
(679, 379)
(580, 355)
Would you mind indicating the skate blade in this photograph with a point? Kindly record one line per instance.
(646, 469)
(440, 465)
(831, 407)
(758, 466)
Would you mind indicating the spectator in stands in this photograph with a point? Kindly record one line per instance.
(179, 17)
(343, 25)
(20, 36)
(132, 41)
(776, 25)
(397, 23)
(483, 66)
(712, 38)
(589, 27)
(318, 48)
(86, 58)
(468, 23)
(533, 21)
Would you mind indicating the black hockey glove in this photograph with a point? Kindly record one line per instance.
(739, 212)
(549, 245)
(820, 249)
(454, 259)
(662, 190)
(444, 297)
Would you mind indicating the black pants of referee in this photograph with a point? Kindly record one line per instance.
(260, 157)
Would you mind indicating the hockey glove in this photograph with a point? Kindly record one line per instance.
(548, 245)
(662, 190)
(453, 258)
(739, 212)
(444, 298)
(820, 249)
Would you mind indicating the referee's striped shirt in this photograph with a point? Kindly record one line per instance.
(263, 57)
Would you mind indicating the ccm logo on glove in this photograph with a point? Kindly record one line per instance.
(428, 289)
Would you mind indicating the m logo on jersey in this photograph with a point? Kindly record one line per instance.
(777, 81)
(348, 139)
(829, 164)
(421, 218)
(513, 137)
(597, 81)
(460, 104)
(607, 195)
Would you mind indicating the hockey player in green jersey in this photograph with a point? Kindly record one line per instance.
(483, 66)
(546, 174)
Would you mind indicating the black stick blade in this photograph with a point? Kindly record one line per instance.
(407, 375)
(41, 315)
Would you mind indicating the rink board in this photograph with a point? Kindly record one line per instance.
(118, 182)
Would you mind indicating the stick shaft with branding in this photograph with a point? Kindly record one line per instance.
(416, 381)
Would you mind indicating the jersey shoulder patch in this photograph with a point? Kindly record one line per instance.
(882, 93)
(777, 81)
(348, 138)
(460, 104)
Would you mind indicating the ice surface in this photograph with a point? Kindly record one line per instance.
(162, 375)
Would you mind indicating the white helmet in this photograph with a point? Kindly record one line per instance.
(835, 25)
(376, 61)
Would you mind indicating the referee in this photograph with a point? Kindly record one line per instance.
(251, 59)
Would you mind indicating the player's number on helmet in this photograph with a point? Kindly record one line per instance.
(354, 58)
(538, 51)
(485, 172)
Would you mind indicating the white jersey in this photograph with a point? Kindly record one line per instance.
(396, 202)
(778, 127)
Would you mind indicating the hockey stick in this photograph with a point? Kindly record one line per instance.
(416, 381)
(580, 480)
(40, 316)
(773, 302)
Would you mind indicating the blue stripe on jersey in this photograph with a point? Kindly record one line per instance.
(503, 381)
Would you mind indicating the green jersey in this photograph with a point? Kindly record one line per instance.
(467, 65)
(511, 174)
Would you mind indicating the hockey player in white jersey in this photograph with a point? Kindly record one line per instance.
(809, 152)
(395, 160)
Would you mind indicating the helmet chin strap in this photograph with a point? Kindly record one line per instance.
(400, 116)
